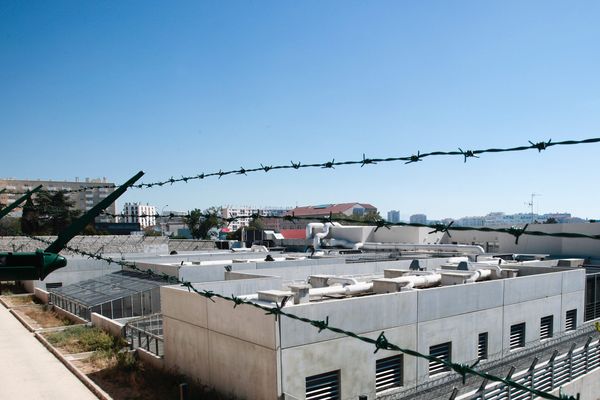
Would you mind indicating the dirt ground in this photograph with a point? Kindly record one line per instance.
(39, 316)
(20, 300)
(140, 382)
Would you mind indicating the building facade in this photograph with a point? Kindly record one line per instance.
(393, 216)
(84, 194)
(281, 358)
(244, 216)
(418, 219)
(143, 214)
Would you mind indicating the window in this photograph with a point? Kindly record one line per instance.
(546, 327)
(442, 351)
(482, 346)
(517, 336)
(324, 386)
(571, 322)
(53, 285)
(388, 373)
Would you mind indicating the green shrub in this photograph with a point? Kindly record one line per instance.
(79, 339)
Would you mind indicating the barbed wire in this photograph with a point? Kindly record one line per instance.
(408, 159)
(381, 343)
(514, 231)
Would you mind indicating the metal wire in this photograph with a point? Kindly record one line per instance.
(408, 159)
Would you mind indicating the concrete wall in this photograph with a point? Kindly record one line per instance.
(587, 386)
(41, 295)
(234, 352)
(149, 358)
(103, 243)
(111, 326)
(538, 244)
(190, 245)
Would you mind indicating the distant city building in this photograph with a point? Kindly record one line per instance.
(84, 194)
(143, 214)
(500, 219)
(174, 224)
(393, 216)
(244, 216)
(418, 219)
(325, 210)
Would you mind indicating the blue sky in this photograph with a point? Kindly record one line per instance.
(92, 89)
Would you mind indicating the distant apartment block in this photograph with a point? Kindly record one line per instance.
(85, 194)
(393, 216)
(143, 214)
(244, 216)
(500, 219)
(418, 219)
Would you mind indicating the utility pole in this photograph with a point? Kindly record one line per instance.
(530, 203)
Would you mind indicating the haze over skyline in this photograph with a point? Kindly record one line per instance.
(106, 89)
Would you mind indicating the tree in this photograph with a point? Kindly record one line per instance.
(201, 222)
(10, 226)
(48, 214)
(256, 225)
(29, 219)
(365, 218)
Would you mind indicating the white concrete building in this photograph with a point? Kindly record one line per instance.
(143, 214)
(251, 355)
(244, 214)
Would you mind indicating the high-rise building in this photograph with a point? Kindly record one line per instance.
(393, 216)
(84, 194)
(418, 219)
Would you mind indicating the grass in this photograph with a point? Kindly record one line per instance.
(81, 339)
(119, 372)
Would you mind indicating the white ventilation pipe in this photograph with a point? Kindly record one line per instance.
(347, 244)
(320, 235)
(419, 281)
(478, 275)
(455, 248)
(311, 227)
(341, 280)
(341, 290)
(486, 266)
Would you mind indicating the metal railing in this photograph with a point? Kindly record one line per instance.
(146, 333)
(547, 376)
(497, 363)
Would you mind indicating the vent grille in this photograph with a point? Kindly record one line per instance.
(388, 373)
(324, 386)
(571, 322)
(546, 327)
(442, 351)
(482, 346)
(517, 336)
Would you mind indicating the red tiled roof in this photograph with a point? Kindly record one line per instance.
(294, 233)
(325, 210)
